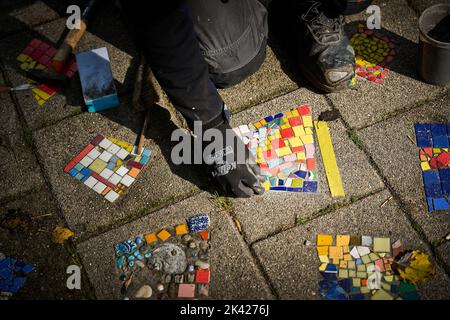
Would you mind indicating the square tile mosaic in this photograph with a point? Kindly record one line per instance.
(13, 274)
(374, 54)
(361, 268)
(283, 146)
(108, 166)
(434, 142)
(38, 55)
(172, 263)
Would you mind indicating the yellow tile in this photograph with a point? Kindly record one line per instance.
(40, 93)
(324, 259)
(425, 166)
(323, 266)
(98, 165)
(308, 131)
(343, 264)
(301, 155)
(281, 152)
(150, 238)
(181, 229)
(294, 113)
(346, 249)
(295, 142)
(163, 235)
(308, 139)
(22, 57)
(342, 240)
(347, 257)
(336, 261)
(266, 185)
(299, 131)
(322, 250)
(307, 121)
(335, 252)
(324, 240)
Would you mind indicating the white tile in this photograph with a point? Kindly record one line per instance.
(122, 153)
(94, 153)
(106, 173)
(105, 156)
(115, 179)
(114, 148)
(112, 196)
(122, 171)
(105, 143)
(90, 182)
(86, 161)
(127, 180)
(99, 187)
(134, 151)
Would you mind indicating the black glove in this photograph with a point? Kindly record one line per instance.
(233, 167)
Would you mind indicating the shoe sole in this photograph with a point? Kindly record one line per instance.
(318, 83)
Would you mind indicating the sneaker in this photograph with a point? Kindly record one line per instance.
(326, 57)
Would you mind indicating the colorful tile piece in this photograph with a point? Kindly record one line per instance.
(39, 55)
(198, 222)
(100, 168)
(365, 276)
(283, 146)
(175, 267)
(374, 54)
(13, 274)
(434, 142)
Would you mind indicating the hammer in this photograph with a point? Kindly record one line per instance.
(52, 75)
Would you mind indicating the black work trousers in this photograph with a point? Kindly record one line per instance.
(197, 46)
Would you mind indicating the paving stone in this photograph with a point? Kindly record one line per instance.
(234, 274)
(24, 14)
(34, 246)
(400, 162)
(68, 101)
(444, 252)
(268, 82)
(369, 102)
(19, 169)
(299, 277)
(263, 215)
(160, 183)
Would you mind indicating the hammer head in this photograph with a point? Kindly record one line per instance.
(48, 77)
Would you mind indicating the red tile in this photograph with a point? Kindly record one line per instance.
(44, 60)
(97, 140)
(47, 89)
(287, 133)
(277, 143)
(28, 50)
(44, 46)
(35, 43)
(298, 149)
(304, 110)
(78, 157)
(311, 164)
(202, 276)
(295, 121)
(51, 51)
(103, 180)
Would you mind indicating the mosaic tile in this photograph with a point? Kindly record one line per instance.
(13, 275)
(367, 276)
(434, 142)
(102, 170)
(39, 55)
(283, 146)
(374, 54)
(173, 261)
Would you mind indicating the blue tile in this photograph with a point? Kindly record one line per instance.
(358, 296)
(294, 189)
(147, 153)
(278, 188)
(144, 160)
(114, 159)
(27, 268)
(85, 172)
(111, 165)
(310, 186)
(346, 284)
(301, 174)
(73, 172)
(441, 203)
(432, 183)
(79, 166)
(269, 119)
(423, 135)
(430, 204)
(439, 135)
(279, 115)
(329, 276)
(79, 177)
(280, 182)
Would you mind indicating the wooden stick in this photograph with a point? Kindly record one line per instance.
(143, 131)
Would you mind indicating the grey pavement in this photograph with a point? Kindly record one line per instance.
(258, 244)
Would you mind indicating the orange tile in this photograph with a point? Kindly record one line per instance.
(163, 235)
(181, 229)
(134, 172)
(150, 238)
(204, 235)
(342, 240)
(335, 252)
(107, 189)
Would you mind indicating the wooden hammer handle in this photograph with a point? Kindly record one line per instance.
(70, 42)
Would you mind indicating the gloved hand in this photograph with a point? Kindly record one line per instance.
(234, 167)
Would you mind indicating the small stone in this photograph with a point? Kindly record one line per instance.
(120, 262)
(167, 278)
(140, 264)
(147, 255)
(139, 240)
(202, 265)
(131, 264)
(160, 287)
(179, 278)
(203, 255)
(203, 290)
(122, 277)
(191, 268)
(2, 256)
(131, 258)
(144, 292)
(446, 238)
(191, 277)
(204, 245)
(307, 243)
(186, 238)
(126, 298)
(192, 245)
